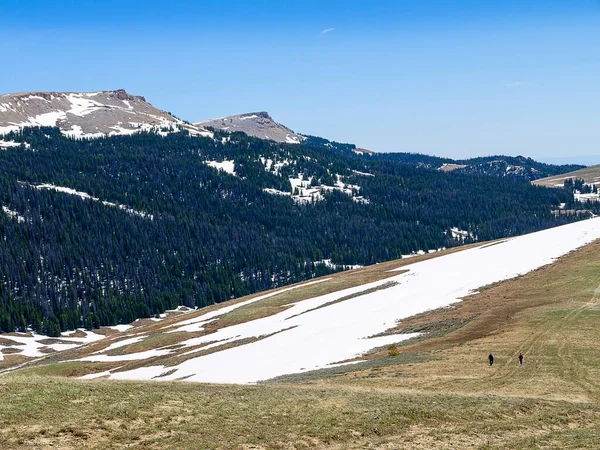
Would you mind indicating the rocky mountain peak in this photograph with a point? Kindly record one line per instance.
(258, 124)
(86, 114)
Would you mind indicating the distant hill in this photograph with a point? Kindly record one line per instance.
(590, 175)
(502, 166)
(262, 126)
(256, 124)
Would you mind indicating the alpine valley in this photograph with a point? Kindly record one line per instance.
(113, 210)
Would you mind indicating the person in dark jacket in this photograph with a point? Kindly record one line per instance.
(491, 358)
(521, 358)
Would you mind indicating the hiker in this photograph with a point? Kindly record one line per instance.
(491, 358)
(521, 358)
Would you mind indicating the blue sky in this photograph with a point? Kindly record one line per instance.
(450, 78)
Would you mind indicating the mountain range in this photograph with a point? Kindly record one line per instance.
(109, 113)
(113, 210)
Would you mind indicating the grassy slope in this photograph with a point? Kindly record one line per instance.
(589, 175)
(437, 393)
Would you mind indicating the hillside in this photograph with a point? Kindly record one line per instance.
(421, 393)
(86, 115)
(334, 322)
(124, 227)
(590, 175)
(109, 113)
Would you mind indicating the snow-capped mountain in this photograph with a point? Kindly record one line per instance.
(89, 114)
(257, 124)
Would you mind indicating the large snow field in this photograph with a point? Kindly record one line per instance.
(304, 338)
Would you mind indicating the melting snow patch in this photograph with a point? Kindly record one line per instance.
(47, 119)
(586, 197)
(143, 373)
(29, 345)
(364, 174)
(6, 144)
(130, 357)
(226, 166)
(121, 328)
(317, 332)
(459, 234)
(292, 139)
(13, 215)
(328, 263)
(122, 343)
(86, 196)
(203, 319)
(91, 376)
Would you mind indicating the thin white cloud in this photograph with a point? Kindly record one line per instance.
(514, 84)
(327, 30)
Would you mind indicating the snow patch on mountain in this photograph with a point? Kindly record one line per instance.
(276, 192)
(86, 196)
(274, 166)
(88, 115)
(227, 166)
(7, 144)
(304, 191)
(33, 345)
(460, 235)
(13, 215)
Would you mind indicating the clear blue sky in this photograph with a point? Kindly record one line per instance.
(451, 78)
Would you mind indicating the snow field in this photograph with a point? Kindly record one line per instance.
(305, 338)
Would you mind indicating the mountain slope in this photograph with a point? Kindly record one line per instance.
(256, 124)
(102, 231)
(261, 333)
(92, 114)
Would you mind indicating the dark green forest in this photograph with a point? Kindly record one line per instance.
(188, 234)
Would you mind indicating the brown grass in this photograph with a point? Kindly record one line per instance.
(551, 315)
(42, 411)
